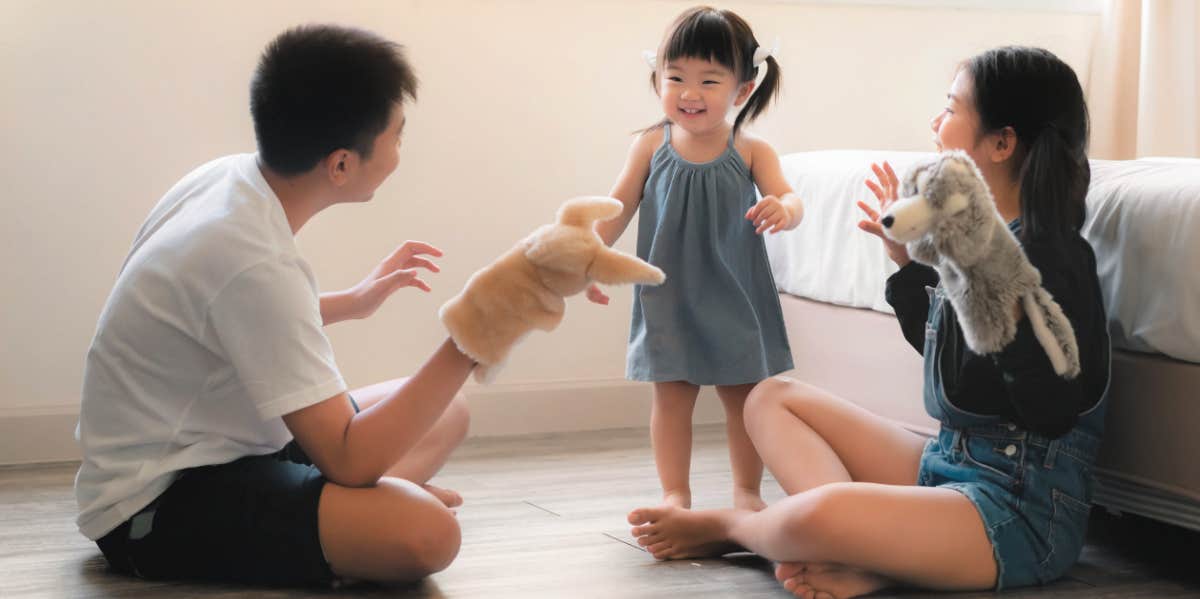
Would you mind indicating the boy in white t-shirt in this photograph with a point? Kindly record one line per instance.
(219, 439)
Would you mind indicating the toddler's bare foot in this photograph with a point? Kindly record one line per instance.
(748, 499)
(672, 532)
(681, 499)
(446, 496)
(828, 581)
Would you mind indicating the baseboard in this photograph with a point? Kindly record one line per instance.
(520, 409)
(38, 435)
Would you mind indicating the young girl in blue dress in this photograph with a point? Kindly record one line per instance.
(692, 179)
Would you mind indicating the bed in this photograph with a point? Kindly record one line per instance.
(1144, 224)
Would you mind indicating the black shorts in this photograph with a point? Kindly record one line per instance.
(252, 520)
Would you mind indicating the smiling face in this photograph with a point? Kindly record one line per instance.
(957, 126)
(697, 94)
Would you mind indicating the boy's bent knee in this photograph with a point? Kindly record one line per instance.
(422, 536)
(393, 532)
(432, 542)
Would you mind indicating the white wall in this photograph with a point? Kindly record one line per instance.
(522, 105)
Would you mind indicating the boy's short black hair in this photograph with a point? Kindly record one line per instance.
(320, 88)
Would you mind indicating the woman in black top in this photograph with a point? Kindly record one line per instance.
(1000, 497)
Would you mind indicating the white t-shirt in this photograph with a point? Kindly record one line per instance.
(211, 334)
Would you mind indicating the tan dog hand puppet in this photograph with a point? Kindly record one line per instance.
(524, 289)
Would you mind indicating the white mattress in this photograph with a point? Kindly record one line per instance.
(827, 258)
(1143, 221)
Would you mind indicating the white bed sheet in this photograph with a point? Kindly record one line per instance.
(1143, 221)
(828, 258)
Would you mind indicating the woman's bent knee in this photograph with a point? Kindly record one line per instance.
(817, 513)
(767, 398)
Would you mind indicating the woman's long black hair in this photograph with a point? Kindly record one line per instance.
(1039, 96)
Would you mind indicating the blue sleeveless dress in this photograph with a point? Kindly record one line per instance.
(717, 319)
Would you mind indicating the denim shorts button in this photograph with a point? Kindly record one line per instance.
(1010, 451)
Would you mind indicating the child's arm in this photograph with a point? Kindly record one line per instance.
(397, 270)
(780, 209)
(630, 182)
(628, 189)
(355, 450)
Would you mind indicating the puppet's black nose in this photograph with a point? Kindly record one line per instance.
(887, 221)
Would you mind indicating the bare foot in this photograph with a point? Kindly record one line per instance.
(681, 499)
(672, 532)
(748, 499)
(828, 581)
(446, 496)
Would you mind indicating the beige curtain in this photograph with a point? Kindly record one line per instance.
(1144, 86)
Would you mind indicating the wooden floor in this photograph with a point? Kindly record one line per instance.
(545, 518)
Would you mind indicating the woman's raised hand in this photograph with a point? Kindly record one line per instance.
(886, 189)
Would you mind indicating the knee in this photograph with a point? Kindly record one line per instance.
(437, 542)
(817, 514)
(426, 537)
(766, 398)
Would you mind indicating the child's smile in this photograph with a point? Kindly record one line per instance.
(698, 93)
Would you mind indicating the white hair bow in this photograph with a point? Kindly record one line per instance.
(761, 54)
(651, 59)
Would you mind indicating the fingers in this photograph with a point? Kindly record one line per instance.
(768, 215)
(405, 278)
(892, 178)
(875, 189)
(762, 208)
(418, 247)
(596, 296)
(885, 184)
(421, 263)
(888, 185)
(752, 213)
(872, 227)
(871, 212)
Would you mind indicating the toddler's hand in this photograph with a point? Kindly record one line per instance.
(886, 190)
(770, 215)
(596, 296)
(397, 270)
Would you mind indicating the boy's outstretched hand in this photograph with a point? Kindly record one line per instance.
(398, 269)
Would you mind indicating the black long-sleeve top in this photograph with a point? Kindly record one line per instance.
(1018, 382)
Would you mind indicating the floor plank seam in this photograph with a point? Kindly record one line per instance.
(542, 508)
(625, 542)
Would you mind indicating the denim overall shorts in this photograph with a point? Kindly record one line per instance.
(1033, 493)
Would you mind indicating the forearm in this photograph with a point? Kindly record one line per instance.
(611, 230)
(795, 209)
(381, 435)
(337, 306)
